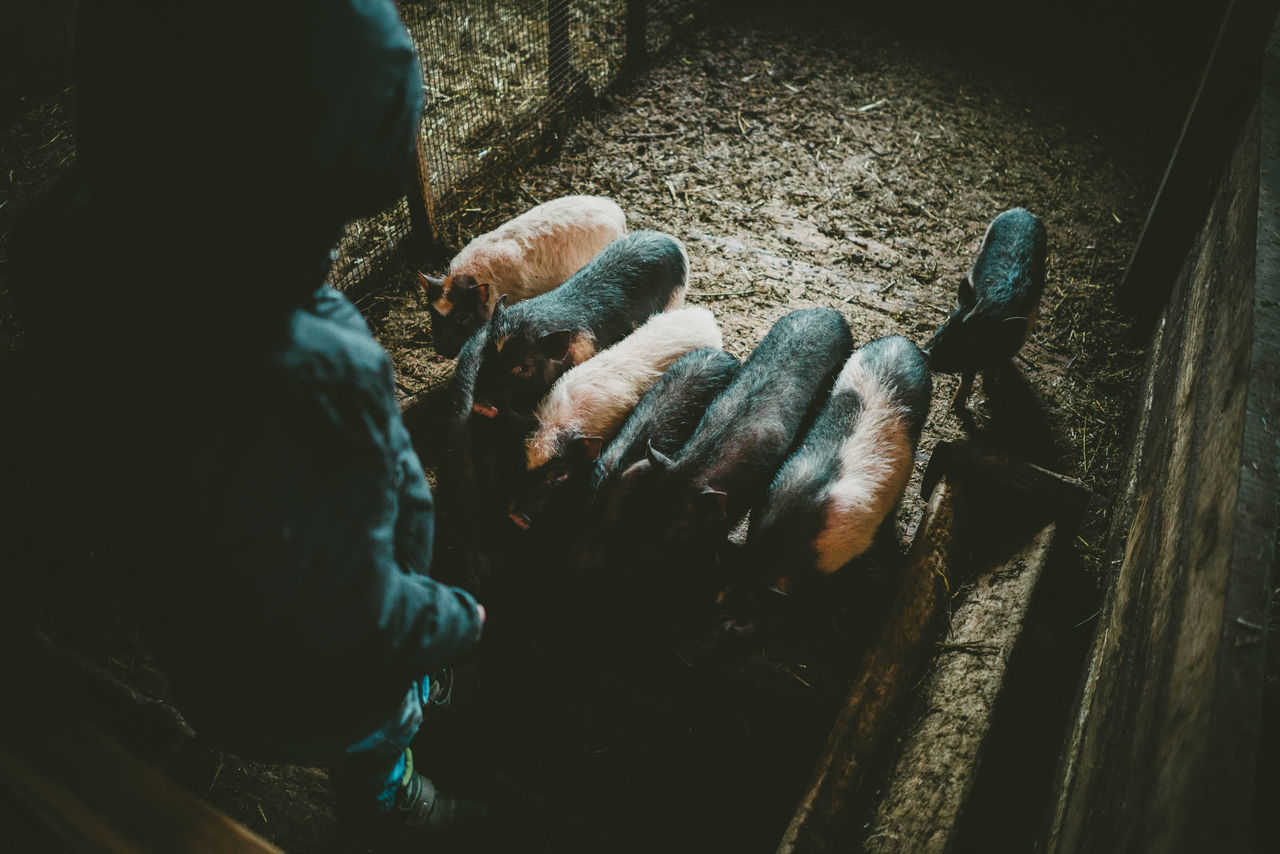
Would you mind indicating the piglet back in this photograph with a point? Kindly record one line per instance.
(542, 247)
(669, 411)
(833, 494)
(1010, 268)
(901, 371)
(779, 387)
(633, 278)
(595, 397)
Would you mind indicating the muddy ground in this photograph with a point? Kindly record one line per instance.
(804, 163)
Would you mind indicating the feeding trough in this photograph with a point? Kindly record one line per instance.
(991, 525)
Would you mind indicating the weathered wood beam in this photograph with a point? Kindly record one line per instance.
(928, 786)
(95, 796)
(1162, 755)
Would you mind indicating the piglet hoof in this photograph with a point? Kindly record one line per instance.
(960, 402)
(484, 410)
(522, 521)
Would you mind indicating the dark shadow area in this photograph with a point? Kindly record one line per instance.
(35, 53)
(1015, 421)
(23, 832)
(622, 746)
(1006, 809)
(1267, 770)
(607, 706)
(1131, 57)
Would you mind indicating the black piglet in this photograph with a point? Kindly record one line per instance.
(531, 344)
(999, 300)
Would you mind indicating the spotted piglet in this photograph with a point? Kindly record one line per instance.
(521, 258)
(999, 300)
(845, 480)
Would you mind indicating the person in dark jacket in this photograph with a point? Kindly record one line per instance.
(279, 525)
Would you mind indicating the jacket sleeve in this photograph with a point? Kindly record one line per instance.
(420, 623)
(326, 518)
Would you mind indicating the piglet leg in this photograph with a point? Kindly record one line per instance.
(963, 391)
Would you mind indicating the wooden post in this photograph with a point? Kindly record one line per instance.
(637, 32)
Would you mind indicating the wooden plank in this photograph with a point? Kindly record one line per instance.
(1226, 94)
(928, 786)
(1254, 572)
(998, 469)
(97, 797)
(982, 512)
(68, 818)
(1159, 756)
(85, 788)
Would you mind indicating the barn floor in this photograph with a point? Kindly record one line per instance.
(804, 163)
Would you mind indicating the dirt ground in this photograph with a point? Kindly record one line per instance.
(803, 164)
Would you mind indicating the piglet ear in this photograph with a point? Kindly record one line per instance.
(588, 446)
(966, 292)
(482, 293)
(498, 308)
(711, 502)
(556, 345)
(635, 470)
(434, 286)
(657, 459)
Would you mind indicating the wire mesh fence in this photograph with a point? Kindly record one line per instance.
(503, 78)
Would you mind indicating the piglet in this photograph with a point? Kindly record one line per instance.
(665, 418)
(588, 405)
(529, 345)
(845, 480)
(999, 300)
(684, 506)
(521, 258)
(667, 415)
